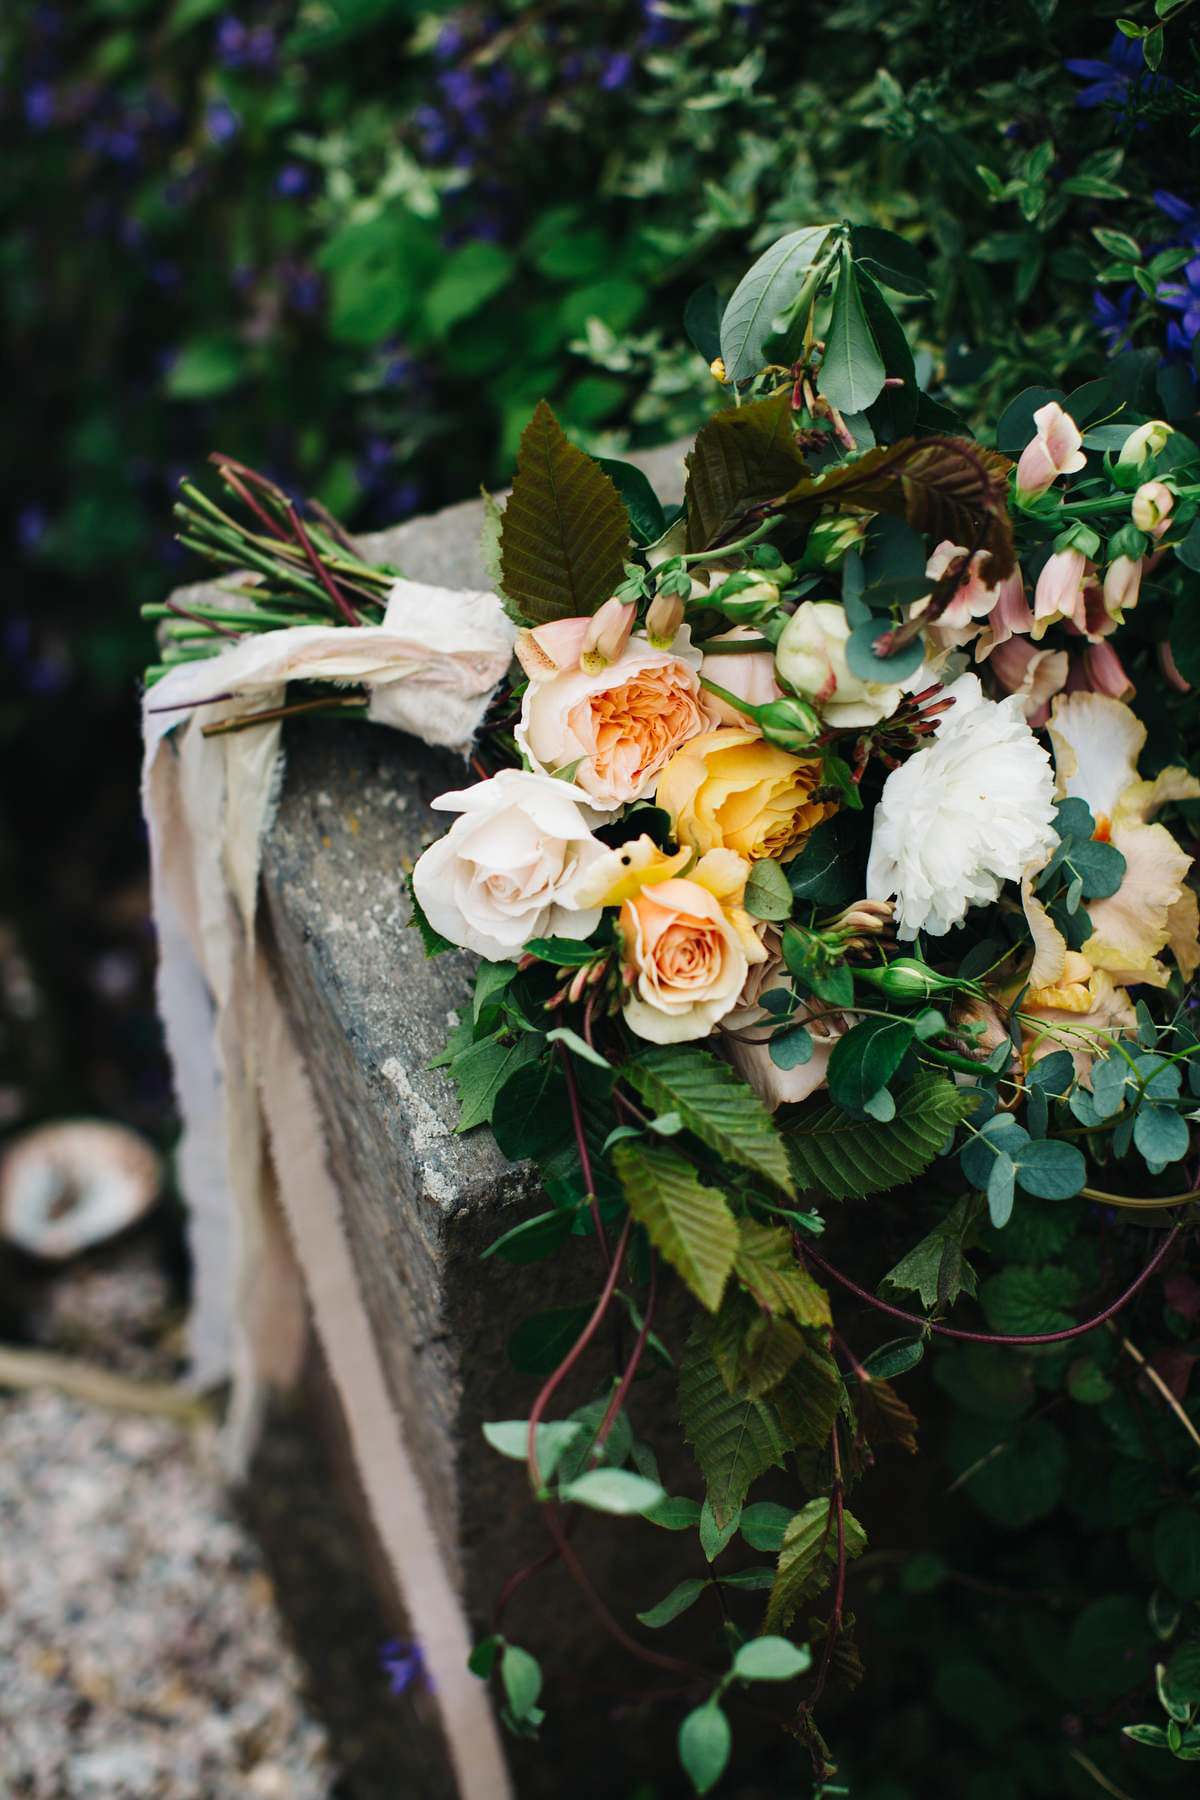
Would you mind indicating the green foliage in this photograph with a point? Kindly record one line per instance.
(735, 1438)
(808, 1556)
(689, 1223)
(715, 1105)
(741, 460)
(564, 534)
(834, 1154)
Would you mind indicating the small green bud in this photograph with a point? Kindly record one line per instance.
(790, 724)
(908, 979)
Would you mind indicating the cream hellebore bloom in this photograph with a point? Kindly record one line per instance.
(1056, 450)
(616, 728)
(811, 657)
(1097, 741)
(507, 870)
(962, 816)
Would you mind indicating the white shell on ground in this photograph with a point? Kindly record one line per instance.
(66, 1186)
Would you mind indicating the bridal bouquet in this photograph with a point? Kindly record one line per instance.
(817, 849)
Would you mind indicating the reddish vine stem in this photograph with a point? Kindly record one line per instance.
(581, 1144)
(993, 1337)
(238, 486)
(199, 619)
(573, 1354)
(319, 570)
(635, 1357)
(611, 1624)
(833, 1629)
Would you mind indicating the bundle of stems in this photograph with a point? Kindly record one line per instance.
(287, 571)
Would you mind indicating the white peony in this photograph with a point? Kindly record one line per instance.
(506, 871)
(960, 818)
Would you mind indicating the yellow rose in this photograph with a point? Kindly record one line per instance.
(730, 789)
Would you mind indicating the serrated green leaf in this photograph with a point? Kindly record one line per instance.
(770, 287)
(690, 1224)
(481, 1071)
(936, 1268)
(766, 1266)
(852, 370)
(716, 1106)
(808, 1558)
(846, 1158)
(735, 1438)
(714, 1537)
(564, 534)
(808, 1397)
(741, 459)
(752, 1349)
(676, 1602)
(1026, 1302)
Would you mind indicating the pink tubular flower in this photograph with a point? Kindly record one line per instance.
(551, 648)
(1035, 676)
(1103, 673)
(1010, 617)
(607, 635)
(972, 598)
(1151, 509)
(1055, 451)
(1122, 581)
(1166, 663)
(1061, 590)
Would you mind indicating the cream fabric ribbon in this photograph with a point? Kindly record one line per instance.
(431, 668)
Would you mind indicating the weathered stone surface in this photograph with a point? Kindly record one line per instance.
(421, 1203)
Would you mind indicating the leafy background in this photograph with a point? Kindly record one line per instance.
(354, 242)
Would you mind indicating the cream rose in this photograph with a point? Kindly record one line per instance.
(686, 959)
(506, 870)
(616, 729)
(730, 789)
(811, 657)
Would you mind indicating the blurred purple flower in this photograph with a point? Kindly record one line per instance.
(450, 41)
(41, 106)
(1185, 213)
(18, 637)
(231, 42)
(221, 123)
(403, 1663)
(1114, 319)
(1185, 296)
(305, 292)
(261, 47)
(617, 71)
(31, 528)
(292, 179)
(1110, 79)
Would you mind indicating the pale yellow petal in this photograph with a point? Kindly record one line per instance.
(624, 872)
(1142, 799)
(1183, 932)
(1096, 741)
(1131, 927)
(1049, 945)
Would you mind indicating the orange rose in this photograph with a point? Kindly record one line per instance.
(686, 958)
(731, 789)
(617, 728)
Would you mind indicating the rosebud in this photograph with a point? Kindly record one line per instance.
(663, 619)
(747, 601)
(789, 724)
(1146, 441)
(1151, 506)
(830, 538)
(606, 636)
(908, 979)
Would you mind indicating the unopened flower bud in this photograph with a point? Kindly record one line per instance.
(1122, 581)
(908, 979)
(790, 724)
(747, 604)
(830, 538)
(1146, 441)
(607, 635)
(866, 918)
(663, 619)
(716, 368)
(1151, 505)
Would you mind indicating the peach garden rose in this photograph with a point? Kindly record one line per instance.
(618, 727)
(731, 789)
(687, 951)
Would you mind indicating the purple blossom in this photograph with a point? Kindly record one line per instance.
(292, 179)
(1185, 296)
(221, 122)
(305, 292)
(1185, 213)
(1114, 319)
(450, 41)
(231, 42)
(41, 106)
(31, 528)
(1110, 79)
(403, 1663)
(617, 71)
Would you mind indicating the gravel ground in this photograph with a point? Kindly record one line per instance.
(141, 1654)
